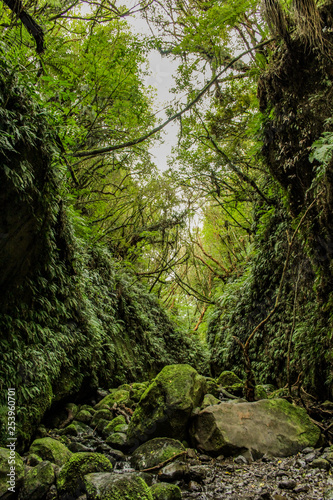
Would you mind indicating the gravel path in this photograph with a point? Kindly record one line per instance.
(265, 479)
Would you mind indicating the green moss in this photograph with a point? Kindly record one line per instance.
(155, 452)
(37, 481)
(119, 396)
(84, 416)
(101, 414)
(51, 449)
(209, 400)
(166, 405)
(307, 433)
(110, 427)
(260, 392)
(76, 429)
(121, 428)
(117, 487)
(70, 479)
(212, 387)
(228, 378)
(166, 491)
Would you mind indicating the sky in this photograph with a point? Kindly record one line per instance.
(161, 71)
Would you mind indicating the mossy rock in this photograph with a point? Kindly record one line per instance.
(118, 440)
(167, 404)
(33, 460)
(156, 451)
(228, 379)
(88, 408)
(212, 387)
(102, 426)
(121, 428)
(273, 427)
(137, 390)
(209, 400)
(51, 450)
(102, 414)
(10, 459)
(165, 491)
(37, 481)
(116, 487)
(120, 396)
(260, 392)
(76, 429)
(110, 427)
(70, 479)
(84, 416)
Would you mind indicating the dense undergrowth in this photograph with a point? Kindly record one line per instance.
(295, 100)
(72, 319)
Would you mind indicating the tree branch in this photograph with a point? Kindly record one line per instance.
(108, 149)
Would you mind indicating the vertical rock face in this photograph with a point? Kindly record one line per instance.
(166, 406)
(273, 427)
(295, 95)
(26, 183)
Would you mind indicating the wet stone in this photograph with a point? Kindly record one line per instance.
(194, 486)
(288, 484)
(309, 457)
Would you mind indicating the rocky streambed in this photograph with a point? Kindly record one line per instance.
(182, 436)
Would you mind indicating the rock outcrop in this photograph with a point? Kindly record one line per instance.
(272, 427)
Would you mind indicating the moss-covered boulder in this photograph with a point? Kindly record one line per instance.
(101, 415)
(228, 378)
(156, 451)
(119, 396)
(70, 479)
(118, 440)
(116, 487)
(166, 405)
(10, 463)
(121, 428)
(272, 427)
(37, 481)
(76, 429)
(110, 427)
(165, 491)
(84, 416)
(51, 450)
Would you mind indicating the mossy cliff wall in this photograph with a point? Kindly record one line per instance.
(295, 95)
(71, 319)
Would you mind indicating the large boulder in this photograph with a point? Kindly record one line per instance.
(166, 491)
(227, 379)
(165, 407)
(37, 482)
(51, 450)
(273, 427)
(155, 452)
(116, 487)
(70, 479)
